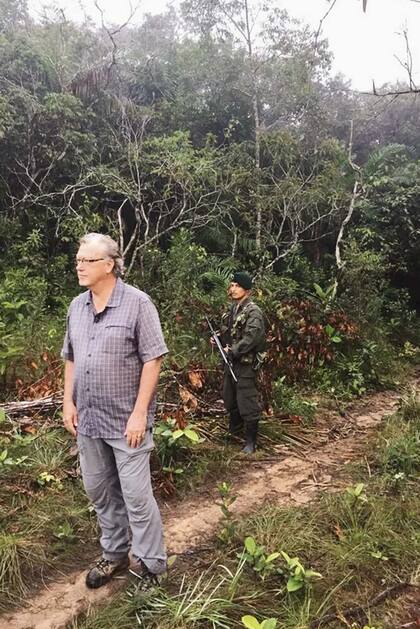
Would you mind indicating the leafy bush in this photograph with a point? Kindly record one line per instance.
(27, 330)
(288, 400)
(173, 444)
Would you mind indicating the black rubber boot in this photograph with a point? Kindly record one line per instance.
(251, 431)
(235, 423)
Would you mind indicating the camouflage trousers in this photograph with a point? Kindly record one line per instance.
(241, 398)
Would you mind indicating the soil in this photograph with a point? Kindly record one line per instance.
(286, 478)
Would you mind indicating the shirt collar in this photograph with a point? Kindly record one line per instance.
(115, 299)
(238, 307)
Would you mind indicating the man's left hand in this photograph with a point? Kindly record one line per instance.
(136, 429)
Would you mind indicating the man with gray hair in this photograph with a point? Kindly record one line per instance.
(113, 350)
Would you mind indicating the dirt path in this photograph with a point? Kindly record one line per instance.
(293, 479)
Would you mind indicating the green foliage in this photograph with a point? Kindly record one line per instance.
(262, 563)
(399, 446)
(11, 339)
(409, 405)
(6, 460)
(173, 444)
(289, 400)
(326, 296)
(65, 532)
(250, 622)
(299, 577)
(199, 601)
(19, 556)
(229, 523)
(43, 508)
(27, 329)
(164, 151)
(356, 494)
(47, 479)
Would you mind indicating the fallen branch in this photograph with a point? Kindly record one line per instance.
(358, 612)
(51, 402)
(54, 402)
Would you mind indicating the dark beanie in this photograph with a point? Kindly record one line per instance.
(243, 279)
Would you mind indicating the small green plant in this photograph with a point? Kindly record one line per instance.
(326, 296)
(299, 577)
(356, 495)
(229, 523)
(357, 506)
(378, 554)
(400, 456)
(172, 434)
(172, 441)
(45, 478)
(173, 470)
(8, 461)
(397, 482)
(65, 531)
(409, 405)
(256, 557)
(332, 334)
(289, 400)
(409, 350)
(250, 622)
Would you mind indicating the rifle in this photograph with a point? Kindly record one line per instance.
(221, 350)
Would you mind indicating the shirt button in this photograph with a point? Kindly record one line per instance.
(88, 390)
(87, 371)
(89, 355)
(91, 338)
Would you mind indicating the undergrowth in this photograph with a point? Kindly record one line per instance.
(292, 566)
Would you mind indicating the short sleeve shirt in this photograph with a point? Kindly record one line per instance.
(108, 350)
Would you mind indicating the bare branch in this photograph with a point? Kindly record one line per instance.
(355, 194)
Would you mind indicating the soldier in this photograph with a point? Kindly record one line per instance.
(243, 338)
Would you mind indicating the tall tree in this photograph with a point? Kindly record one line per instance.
(275, 47)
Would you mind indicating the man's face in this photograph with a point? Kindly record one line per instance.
(92, 264)
(237, 292)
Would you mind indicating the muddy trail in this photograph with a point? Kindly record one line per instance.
(286, 477)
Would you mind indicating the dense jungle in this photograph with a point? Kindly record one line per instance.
(208, 139)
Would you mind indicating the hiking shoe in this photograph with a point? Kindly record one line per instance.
(148, 581)
(104, 570)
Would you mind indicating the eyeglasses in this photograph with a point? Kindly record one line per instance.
(87, 260)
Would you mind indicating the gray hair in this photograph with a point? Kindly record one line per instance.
(111, 250)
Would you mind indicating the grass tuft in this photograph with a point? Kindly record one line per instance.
(20, 557)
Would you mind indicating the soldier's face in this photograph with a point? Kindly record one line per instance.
(237, 292)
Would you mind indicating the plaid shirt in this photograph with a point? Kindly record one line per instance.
(108, 350)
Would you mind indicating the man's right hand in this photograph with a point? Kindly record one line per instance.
(70, 417)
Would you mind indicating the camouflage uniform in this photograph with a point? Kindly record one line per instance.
(243, 330)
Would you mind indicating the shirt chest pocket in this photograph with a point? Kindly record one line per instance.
(118, 339)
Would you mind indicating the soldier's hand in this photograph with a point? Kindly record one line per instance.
(136, 429)
(70, 417)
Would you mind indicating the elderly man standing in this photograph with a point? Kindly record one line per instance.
(113, 351)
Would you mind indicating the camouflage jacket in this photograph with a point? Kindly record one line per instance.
(243, 329)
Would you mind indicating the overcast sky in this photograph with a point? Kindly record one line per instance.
(364, 44)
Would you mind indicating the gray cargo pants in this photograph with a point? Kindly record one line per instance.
(117, 481)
